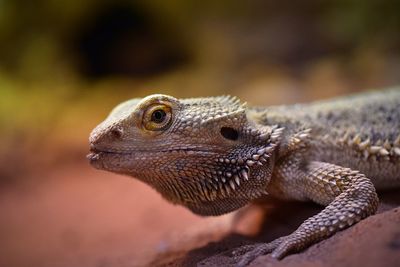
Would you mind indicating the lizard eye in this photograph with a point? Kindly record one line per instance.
(157, 117)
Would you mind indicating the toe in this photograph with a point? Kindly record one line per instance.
(283, 249)
(258, 250)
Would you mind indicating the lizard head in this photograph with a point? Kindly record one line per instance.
(202, 153)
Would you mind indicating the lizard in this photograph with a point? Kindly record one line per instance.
(214, 155)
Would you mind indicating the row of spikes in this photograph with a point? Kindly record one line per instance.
(229, 103)
(225, 189)
(226, 100)
(298, 139)
(261, 155)
(272, 134)
(230, 181)
(381, 148)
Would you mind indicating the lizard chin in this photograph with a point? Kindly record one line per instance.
(94, 159)
(109, 160)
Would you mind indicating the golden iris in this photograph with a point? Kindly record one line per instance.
(157, 117)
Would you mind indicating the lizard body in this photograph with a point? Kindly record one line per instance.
(359, 132)
(214, 155)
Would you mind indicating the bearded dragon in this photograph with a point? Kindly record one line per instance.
(215, 155)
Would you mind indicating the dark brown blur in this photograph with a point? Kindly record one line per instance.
(65, 64)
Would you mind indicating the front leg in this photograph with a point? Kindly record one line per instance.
(349, 196)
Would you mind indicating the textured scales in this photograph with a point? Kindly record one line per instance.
(215, 155)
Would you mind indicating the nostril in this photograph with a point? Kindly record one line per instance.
(116, 132)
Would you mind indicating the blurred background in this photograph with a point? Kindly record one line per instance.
(65, 64)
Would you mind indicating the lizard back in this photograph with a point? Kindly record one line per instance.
(361, 132)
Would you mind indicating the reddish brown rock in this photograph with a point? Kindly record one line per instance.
(374, 241)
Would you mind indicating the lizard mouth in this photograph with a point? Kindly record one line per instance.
(95, 151)
(126, 161)
(96, 154)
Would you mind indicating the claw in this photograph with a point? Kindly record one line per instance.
(282, 250)
(258, 250)
(250, 256)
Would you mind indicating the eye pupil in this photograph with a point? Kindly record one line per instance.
(158, 116)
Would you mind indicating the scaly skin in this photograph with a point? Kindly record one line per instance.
(215, 155)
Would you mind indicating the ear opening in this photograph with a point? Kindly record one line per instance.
(229, 133)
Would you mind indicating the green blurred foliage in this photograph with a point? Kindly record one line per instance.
(37, 37)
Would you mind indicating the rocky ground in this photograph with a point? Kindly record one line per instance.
(372, 242)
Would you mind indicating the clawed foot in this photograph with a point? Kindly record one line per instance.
(278, 248)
